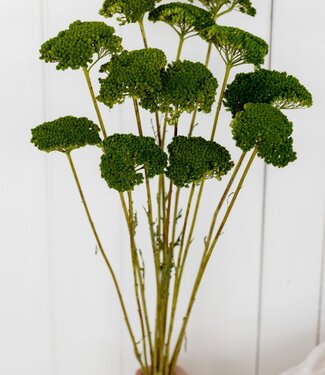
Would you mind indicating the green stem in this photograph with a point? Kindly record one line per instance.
(223, 199)
(223, 89)
(164, 132)
(205, 261)
(180, 46)
(140, 277)
(190, 235)
(176, 287)
(108, 264)
(175, 218)
(149, 195)
(93, 97)
(143, 33)
(158, 128)
(208, 56)
(137, 115)
(137, 278)
(207, 60)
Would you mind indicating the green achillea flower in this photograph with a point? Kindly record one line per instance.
(183, 18)
(220, 7)
(135, 74)
(65, 134)
(194, 158)
(268, 129)
(266, 86)
(186, 85)
(236, 46)
(75, 47)
(130, 11)
(125, 155)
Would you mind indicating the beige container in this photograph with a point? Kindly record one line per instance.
(178, 371)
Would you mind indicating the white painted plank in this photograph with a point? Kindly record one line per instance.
(24, 283)
(295, 199)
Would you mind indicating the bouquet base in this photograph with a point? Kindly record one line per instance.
(178, 371)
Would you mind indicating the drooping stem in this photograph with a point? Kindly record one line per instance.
(223, 89)
(107, 262)
(94, 100)
(205, 259)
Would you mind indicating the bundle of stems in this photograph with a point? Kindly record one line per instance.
(171, 234)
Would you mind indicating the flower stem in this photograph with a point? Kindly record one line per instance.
(205, 259)
(223, 89)
(143, 33)
(207, 60)
(143, 312)
(108, 264)
(93, 97)
(223, 199)
(180, 46)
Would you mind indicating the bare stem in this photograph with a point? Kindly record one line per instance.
(93, 97)
(143, 33)
(223, 89)
(223, 198)
(108, 264)
(205, 259)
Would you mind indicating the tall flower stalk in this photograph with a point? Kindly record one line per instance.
(179, 162)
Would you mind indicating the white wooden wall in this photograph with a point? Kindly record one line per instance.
(259, 310)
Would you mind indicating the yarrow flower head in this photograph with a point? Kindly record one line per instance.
(65, 134)
(125, 158)
(266, 128)
(220, 7)
(279, 89)
(186, 85)
(75, 47)
(194, 158)
(236, 46)
(184, 18)
(129, 11)
(136, 74)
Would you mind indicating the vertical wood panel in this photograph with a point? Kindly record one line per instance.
(295, 200)
(87, 316)
(24, 283)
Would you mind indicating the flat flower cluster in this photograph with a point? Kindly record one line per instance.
(75, 47)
